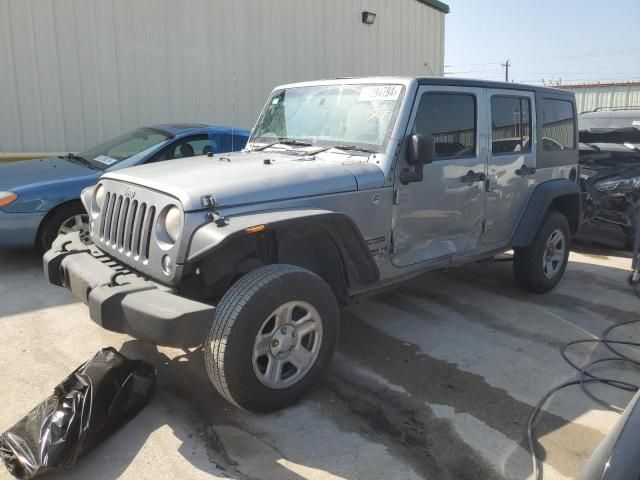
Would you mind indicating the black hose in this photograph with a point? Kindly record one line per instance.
(585, 377)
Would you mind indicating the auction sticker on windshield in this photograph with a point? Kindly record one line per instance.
(105, 159)
(380, 92)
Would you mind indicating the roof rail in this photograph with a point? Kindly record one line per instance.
(615, 109)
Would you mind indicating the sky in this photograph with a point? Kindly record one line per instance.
(572, 41)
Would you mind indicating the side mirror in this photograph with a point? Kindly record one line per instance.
(420, 151)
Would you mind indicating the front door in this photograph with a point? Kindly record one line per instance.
(443, 215)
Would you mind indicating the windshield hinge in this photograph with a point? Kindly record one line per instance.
(209, 202)
(392, 244)
(219, 220)
(396, 197)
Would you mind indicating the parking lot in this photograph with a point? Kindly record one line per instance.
(435, 380)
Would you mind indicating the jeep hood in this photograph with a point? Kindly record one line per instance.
(253, 177)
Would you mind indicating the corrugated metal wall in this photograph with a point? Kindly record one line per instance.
(606, 95)
(73, 73)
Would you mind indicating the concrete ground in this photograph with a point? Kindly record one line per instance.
(433, 380)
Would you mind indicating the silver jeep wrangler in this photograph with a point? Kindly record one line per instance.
(345, 186)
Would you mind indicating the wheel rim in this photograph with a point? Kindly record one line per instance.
(287, 344)
(77, 223)
(554, 254)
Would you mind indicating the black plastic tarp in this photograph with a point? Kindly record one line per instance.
(91, 403)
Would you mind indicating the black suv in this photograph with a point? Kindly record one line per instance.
(610, 174)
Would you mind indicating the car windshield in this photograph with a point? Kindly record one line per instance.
(112, 152)
(356, 116)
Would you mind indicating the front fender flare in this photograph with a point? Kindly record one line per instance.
(344, 232)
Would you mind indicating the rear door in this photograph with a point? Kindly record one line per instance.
(512, 161)
(442, 215)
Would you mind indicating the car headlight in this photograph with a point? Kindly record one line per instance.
(6, 198)
(619, 185)
(173, 223)
(99, 196)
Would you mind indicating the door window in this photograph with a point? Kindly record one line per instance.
(510, 125)
(451, 119)
(188, 147)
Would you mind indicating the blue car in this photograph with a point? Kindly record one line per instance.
(40, 199)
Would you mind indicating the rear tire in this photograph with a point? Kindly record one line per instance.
(540, 266)
(274, 332)
(64, 219)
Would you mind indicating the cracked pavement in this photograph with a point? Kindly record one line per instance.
(432, 380)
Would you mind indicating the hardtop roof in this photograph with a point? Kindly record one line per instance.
(471, 82)
(445, 81)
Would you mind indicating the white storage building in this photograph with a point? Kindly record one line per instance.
(74, 73)
(611, 95)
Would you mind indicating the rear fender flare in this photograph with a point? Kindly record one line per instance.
(559, 194)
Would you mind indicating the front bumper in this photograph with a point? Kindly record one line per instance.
(122, 301)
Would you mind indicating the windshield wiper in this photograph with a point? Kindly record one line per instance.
(78, 158)
(354, 148)
(284, 141)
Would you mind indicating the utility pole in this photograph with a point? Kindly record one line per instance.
(506, 69)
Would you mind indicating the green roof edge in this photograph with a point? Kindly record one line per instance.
(443, 7)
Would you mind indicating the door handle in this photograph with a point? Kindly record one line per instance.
(472, 177)
(523, 171)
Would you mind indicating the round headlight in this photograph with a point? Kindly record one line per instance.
(98, 196)
(173, 223)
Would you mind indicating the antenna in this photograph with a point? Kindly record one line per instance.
(426, 64)
(235, 71)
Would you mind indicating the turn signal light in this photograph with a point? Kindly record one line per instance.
(7, 199)
(255, 229)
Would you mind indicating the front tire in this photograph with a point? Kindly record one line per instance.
(274, 332)
(67, 218)
(540, 266)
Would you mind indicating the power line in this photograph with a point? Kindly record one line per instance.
(583, 56)
(470, 64)
(535, 72)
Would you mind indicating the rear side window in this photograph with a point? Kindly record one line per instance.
(451, 119)
(558, 125)
(510, 125)
(186, 147)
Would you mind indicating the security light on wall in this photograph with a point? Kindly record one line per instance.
(368, 18)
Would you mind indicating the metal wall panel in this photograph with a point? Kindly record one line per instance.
(76, 72)
(620, 95)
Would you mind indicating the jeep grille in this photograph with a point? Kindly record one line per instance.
(127, 225)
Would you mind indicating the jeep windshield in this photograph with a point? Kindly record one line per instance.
(348, 117)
